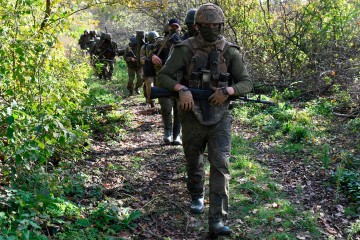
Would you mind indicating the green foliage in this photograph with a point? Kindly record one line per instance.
(354, 229)
(27, 214)
(354, 125)
(322, 106)
(106, 215)
(350, 182)
(41, 92)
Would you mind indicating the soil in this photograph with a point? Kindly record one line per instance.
(143, 173)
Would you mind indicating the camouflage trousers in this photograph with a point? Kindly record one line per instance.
(217, 138)
(132, 72)
(148, 83)
(169, 114)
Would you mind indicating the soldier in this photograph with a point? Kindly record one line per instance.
(104, 53)
(133, 68)
(148, 67)
(207, 60)
(84, 40)
(190, 24)
(168, 108)
(94, 38)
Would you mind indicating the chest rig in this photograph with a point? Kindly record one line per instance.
(207, 68)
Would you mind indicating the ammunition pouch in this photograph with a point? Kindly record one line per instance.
(204, 80)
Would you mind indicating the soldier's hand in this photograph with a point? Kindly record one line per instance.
(186, 102)
(156, 60)
(219, 96)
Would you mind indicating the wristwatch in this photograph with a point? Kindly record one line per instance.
(184, 89)
(224, 90)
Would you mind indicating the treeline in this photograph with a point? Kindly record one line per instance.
(307, 47)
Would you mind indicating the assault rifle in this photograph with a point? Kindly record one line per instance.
(201, 94)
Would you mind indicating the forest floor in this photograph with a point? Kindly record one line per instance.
(146, 175)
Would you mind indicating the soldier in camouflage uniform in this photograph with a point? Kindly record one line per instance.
(159, 55)
(148, 67)
(104, 53)
(85, 40)
(133, 68)
(207, 60)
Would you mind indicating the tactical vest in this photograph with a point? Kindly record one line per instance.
(208, 68)
(108, 50)
(130, 52)
(148, 67)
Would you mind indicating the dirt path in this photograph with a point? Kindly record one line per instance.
(149, 176)
(142, 173)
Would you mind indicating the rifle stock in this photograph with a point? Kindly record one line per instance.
(157, 92)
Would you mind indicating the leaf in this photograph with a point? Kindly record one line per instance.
(34, 225)
(10, 120)
(10, 133)
(41, 145)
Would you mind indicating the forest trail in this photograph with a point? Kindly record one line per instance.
(143, 174)
(147, 175)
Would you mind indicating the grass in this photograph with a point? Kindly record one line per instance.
(259, 203)
(303, 133)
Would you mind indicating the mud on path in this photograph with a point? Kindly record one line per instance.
(143, 174)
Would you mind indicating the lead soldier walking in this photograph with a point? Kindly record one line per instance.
(207, 61)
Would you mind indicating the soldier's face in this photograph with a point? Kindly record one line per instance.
(211, 25)
(175, 28)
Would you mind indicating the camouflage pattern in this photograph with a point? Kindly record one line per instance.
(85, 40)
(209, 13)
(104, 51)
(167, 105)
(218, 138)
(130, 52)
(201, 60)
(132, 72)
(148, 67)
(133, 68)
(195, 133)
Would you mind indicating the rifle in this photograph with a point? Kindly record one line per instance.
(201, 94)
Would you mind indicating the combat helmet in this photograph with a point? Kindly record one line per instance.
(132, 39)
(209, 13)
(152, 35)
(190, 17)
(107, 36)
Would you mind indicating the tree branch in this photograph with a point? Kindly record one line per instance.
(47, 15)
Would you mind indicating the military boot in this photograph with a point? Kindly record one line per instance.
(217, 228)
(197, 205)
(167, 129)
(176, 133)
(131, 90)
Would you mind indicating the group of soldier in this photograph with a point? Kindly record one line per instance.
(102, 50)
(184, 64)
